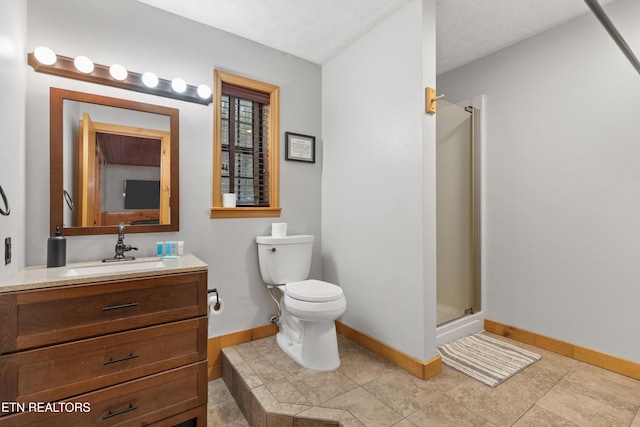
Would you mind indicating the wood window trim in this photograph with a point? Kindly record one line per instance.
(274, 210)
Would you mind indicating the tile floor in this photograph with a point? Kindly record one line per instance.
(273, 391)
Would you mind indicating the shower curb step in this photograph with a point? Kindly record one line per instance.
(261, 409)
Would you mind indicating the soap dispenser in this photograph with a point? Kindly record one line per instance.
(56, 249)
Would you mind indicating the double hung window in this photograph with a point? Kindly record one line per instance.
(246, 147)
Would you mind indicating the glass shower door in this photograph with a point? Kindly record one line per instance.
(454, 211)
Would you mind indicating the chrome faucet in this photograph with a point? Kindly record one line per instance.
(121, 248)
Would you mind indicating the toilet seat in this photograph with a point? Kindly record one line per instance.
(313, 291)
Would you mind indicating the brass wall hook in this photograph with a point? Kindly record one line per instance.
(431, 98)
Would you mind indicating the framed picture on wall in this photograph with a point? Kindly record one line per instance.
(301, 148)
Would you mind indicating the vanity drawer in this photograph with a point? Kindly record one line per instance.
(138, 402)
(49, 316)
(54, 372)
(193, 418)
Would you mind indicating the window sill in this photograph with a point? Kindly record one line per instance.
(239, 212)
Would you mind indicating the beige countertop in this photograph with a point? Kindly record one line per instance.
(39, 277)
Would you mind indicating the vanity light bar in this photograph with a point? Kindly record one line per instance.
(64, 67)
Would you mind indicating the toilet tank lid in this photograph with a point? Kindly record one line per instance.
(287, 240)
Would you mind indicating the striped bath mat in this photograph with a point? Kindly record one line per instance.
(488, 360)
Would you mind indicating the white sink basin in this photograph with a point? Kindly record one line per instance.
(114, 268)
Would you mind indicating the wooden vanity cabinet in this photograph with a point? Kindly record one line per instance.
(132, 352)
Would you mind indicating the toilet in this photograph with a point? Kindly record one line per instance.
(308, 307)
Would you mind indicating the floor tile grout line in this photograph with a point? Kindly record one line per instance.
(637, 415)
(557, 381)
(541, 397)
(528, 409)
(358, 386)
(362, 386)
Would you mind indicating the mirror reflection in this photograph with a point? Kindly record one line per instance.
(119, 164)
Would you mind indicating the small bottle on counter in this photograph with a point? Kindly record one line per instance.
(57, 249)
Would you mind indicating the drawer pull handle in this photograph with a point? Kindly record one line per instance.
(131, 407)
(122, 359)
(116, 307)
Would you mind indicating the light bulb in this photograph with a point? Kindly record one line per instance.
(83, 64)
(118, 72)
(178, 85)
(45, 56)
(150, 79)
(204, 91)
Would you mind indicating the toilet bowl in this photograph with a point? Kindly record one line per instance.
(308, 308)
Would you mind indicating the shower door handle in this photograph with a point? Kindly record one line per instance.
(6, 211)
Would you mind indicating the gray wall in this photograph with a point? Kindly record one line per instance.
(561, 241)
(143, 38)
(13, 35)
(562, 182)
(378, 186)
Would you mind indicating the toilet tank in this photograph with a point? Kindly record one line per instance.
(284, 259)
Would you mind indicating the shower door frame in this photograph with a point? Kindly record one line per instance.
(476, 203)
(476, 195)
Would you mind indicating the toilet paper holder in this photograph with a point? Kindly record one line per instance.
(216, 306)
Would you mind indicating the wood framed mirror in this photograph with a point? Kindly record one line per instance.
(112, 160)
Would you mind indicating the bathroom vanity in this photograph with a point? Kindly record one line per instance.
(105, 344)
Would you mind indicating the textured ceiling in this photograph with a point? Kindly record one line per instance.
(470, 29)
(316, 30)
